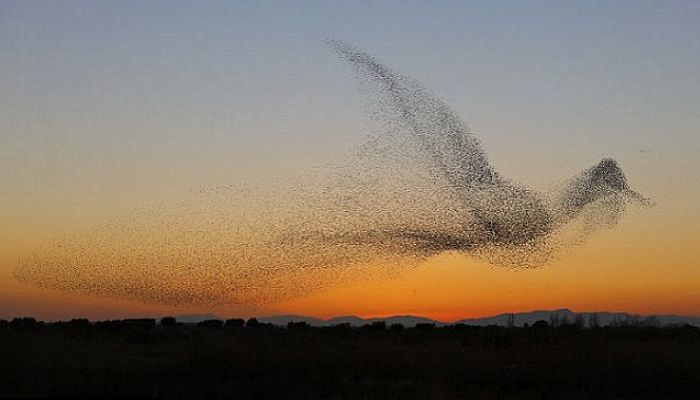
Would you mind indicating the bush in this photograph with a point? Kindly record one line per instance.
(211, 323)
(234, 323)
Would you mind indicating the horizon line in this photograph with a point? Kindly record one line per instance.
(377, 318)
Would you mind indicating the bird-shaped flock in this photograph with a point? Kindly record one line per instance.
(425, 186)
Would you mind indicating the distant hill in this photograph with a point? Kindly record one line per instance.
(406, 320)
(565, 315)
(604, 318)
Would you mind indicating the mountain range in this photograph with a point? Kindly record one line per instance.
(603, 318)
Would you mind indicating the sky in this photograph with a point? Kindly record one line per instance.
(108, 107)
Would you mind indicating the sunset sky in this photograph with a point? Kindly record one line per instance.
(111, 107)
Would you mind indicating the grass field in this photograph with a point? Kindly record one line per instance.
(236, 360)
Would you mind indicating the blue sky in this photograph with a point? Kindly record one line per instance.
(555, 81)
(109, 106)
(141, 97)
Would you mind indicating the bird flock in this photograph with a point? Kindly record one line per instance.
(421, 186)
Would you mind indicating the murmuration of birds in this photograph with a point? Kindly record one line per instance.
(421, 186)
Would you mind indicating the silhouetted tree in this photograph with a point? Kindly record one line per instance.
(108, 325)
(396, 327)
(252, 323)
(140, 322)
(423, 326)
(26, 322)
(540, 324)
(211, 323)
(297, 326)
(79, 322)
(168, 321)
(234, 323)
(460, 327)
(341, 327)
(375, 326)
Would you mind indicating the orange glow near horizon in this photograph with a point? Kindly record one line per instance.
(594, 277)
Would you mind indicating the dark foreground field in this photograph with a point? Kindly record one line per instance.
(140, 358)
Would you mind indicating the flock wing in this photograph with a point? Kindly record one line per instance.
(454, 150)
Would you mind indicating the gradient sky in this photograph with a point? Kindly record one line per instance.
(106, 107)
